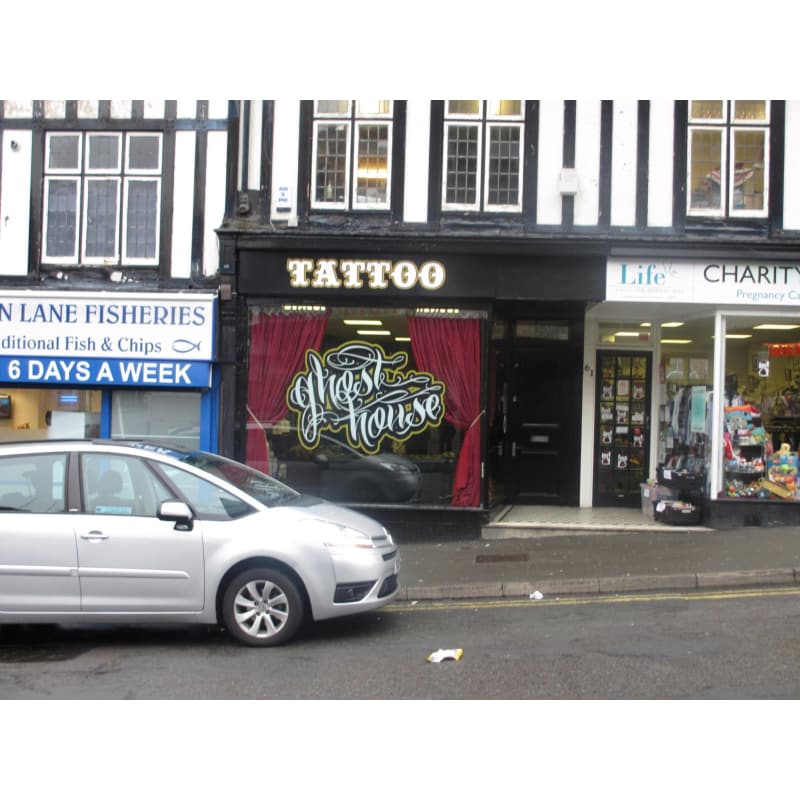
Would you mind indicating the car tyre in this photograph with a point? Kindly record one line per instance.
(262, 607)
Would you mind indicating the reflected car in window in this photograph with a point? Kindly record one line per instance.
(133, 532)
(338, 472)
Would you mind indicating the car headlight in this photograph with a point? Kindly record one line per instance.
(335, 535)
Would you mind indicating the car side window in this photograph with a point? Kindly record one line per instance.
(33, 483)
(119, 484)
(207, 500)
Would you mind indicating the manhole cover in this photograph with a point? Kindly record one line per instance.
(496, 558)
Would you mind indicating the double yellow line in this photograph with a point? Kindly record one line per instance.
(638, 597)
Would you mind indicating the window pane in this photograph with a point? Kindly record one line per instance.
(140, 228)
(750, 110)
(33, 483)
(101, 218)
(164, 416)
(61, 223)
(707, 109)
(206, 499)
(368, 108)
(462, 164)
(705, 175)
(748, 176)
(505, 108)
(333, 106)
(463, 107)
(504, 155)
(64, 152)
(143, 152)
(104, 153)
(331, 166)
(373, 160)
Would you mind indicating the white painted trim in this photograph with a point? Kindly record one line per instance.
(285, 157)
(587, 161)
(15, 202)
(183, 204)
(623, 162)
(791, 167)
(661, 163)
(253, 181)
(551, 150)
(216, 174)
(417, 166)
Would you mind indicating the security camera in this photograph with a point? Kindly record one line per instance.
(14, 144)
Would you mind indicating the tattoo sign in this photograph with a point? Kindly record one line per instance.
(359, 389)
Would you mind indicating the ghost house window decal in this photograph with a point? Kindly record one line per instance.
(359, 389)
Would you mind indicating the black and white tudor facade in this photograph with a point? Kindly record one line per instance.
(426, 308)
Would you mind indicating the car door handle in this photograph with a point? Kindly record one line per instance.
(94, 535)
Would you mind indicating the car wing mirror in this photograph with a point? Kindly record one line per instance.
(177, 512)
(320, 459)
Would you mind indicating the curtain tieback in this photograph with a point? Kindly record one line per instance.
(471, 425)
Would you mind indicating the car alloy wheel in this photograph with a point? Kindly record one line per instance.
(262, 607)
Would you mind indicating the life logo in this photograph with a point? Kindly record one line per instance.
(643, 275)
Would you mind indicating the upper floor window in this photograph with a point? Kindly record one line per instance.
(483, 155)
(352, 154)
(102, 198)
(728, 158)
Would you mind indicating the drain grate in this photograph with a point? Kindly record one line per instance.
(499, 558)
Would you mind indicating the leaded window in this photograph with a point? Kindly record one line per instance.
(483, 155)
(728, 158)
(102, 198)
(352, 154)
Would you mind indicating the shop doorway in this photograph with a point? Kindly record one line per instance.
(623, 426)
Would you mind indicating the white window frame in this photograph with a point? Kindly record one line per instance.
(353, 119)
(83, 176)
(728, 125)
(484, 121)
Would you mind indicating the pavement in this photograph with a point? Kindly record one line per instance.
(519, 561)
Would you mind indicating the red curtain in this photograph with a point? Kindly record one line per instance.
(278, 344)
(450, 349)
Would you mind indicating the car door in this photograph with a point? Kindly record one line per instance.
(38, 557)
(128, 559)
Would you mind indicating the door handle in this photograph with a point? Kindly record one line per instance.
(94, 536)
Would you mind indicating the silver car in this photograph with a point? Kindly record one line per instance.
(128, 532)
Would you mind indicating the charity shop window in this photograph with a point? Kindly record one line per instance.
(367, 405)
(352, 154)
(102, 198)
(483, 155)
(728, 158)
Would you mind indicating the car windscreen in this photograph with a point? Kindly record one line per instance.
(259, 486)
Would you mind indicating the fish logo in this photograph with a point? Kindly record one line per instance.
(184, 346)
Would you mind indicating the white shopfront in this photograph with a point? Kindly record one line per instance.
(722, 331)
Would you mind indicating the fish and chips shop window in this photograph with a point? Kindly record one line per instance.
(367, 405)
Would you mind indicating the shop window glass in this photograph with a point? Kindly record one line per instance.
(367, 405)
(728, 158)
(478, 177)
(54, 413)
(164, 416)
(761, 425)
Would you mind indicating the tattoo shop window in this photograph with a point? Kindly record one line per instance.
(728, 161)
(102, 198)
(352, 154)
(483, 155)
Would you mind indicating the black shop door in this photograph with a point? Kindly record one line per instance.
(622, 427)
(544, 426)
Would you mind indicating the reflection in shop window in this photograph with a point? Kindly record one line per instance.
(340, 407)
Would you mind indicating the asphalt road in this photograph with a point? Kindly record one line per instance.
(738, 645)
